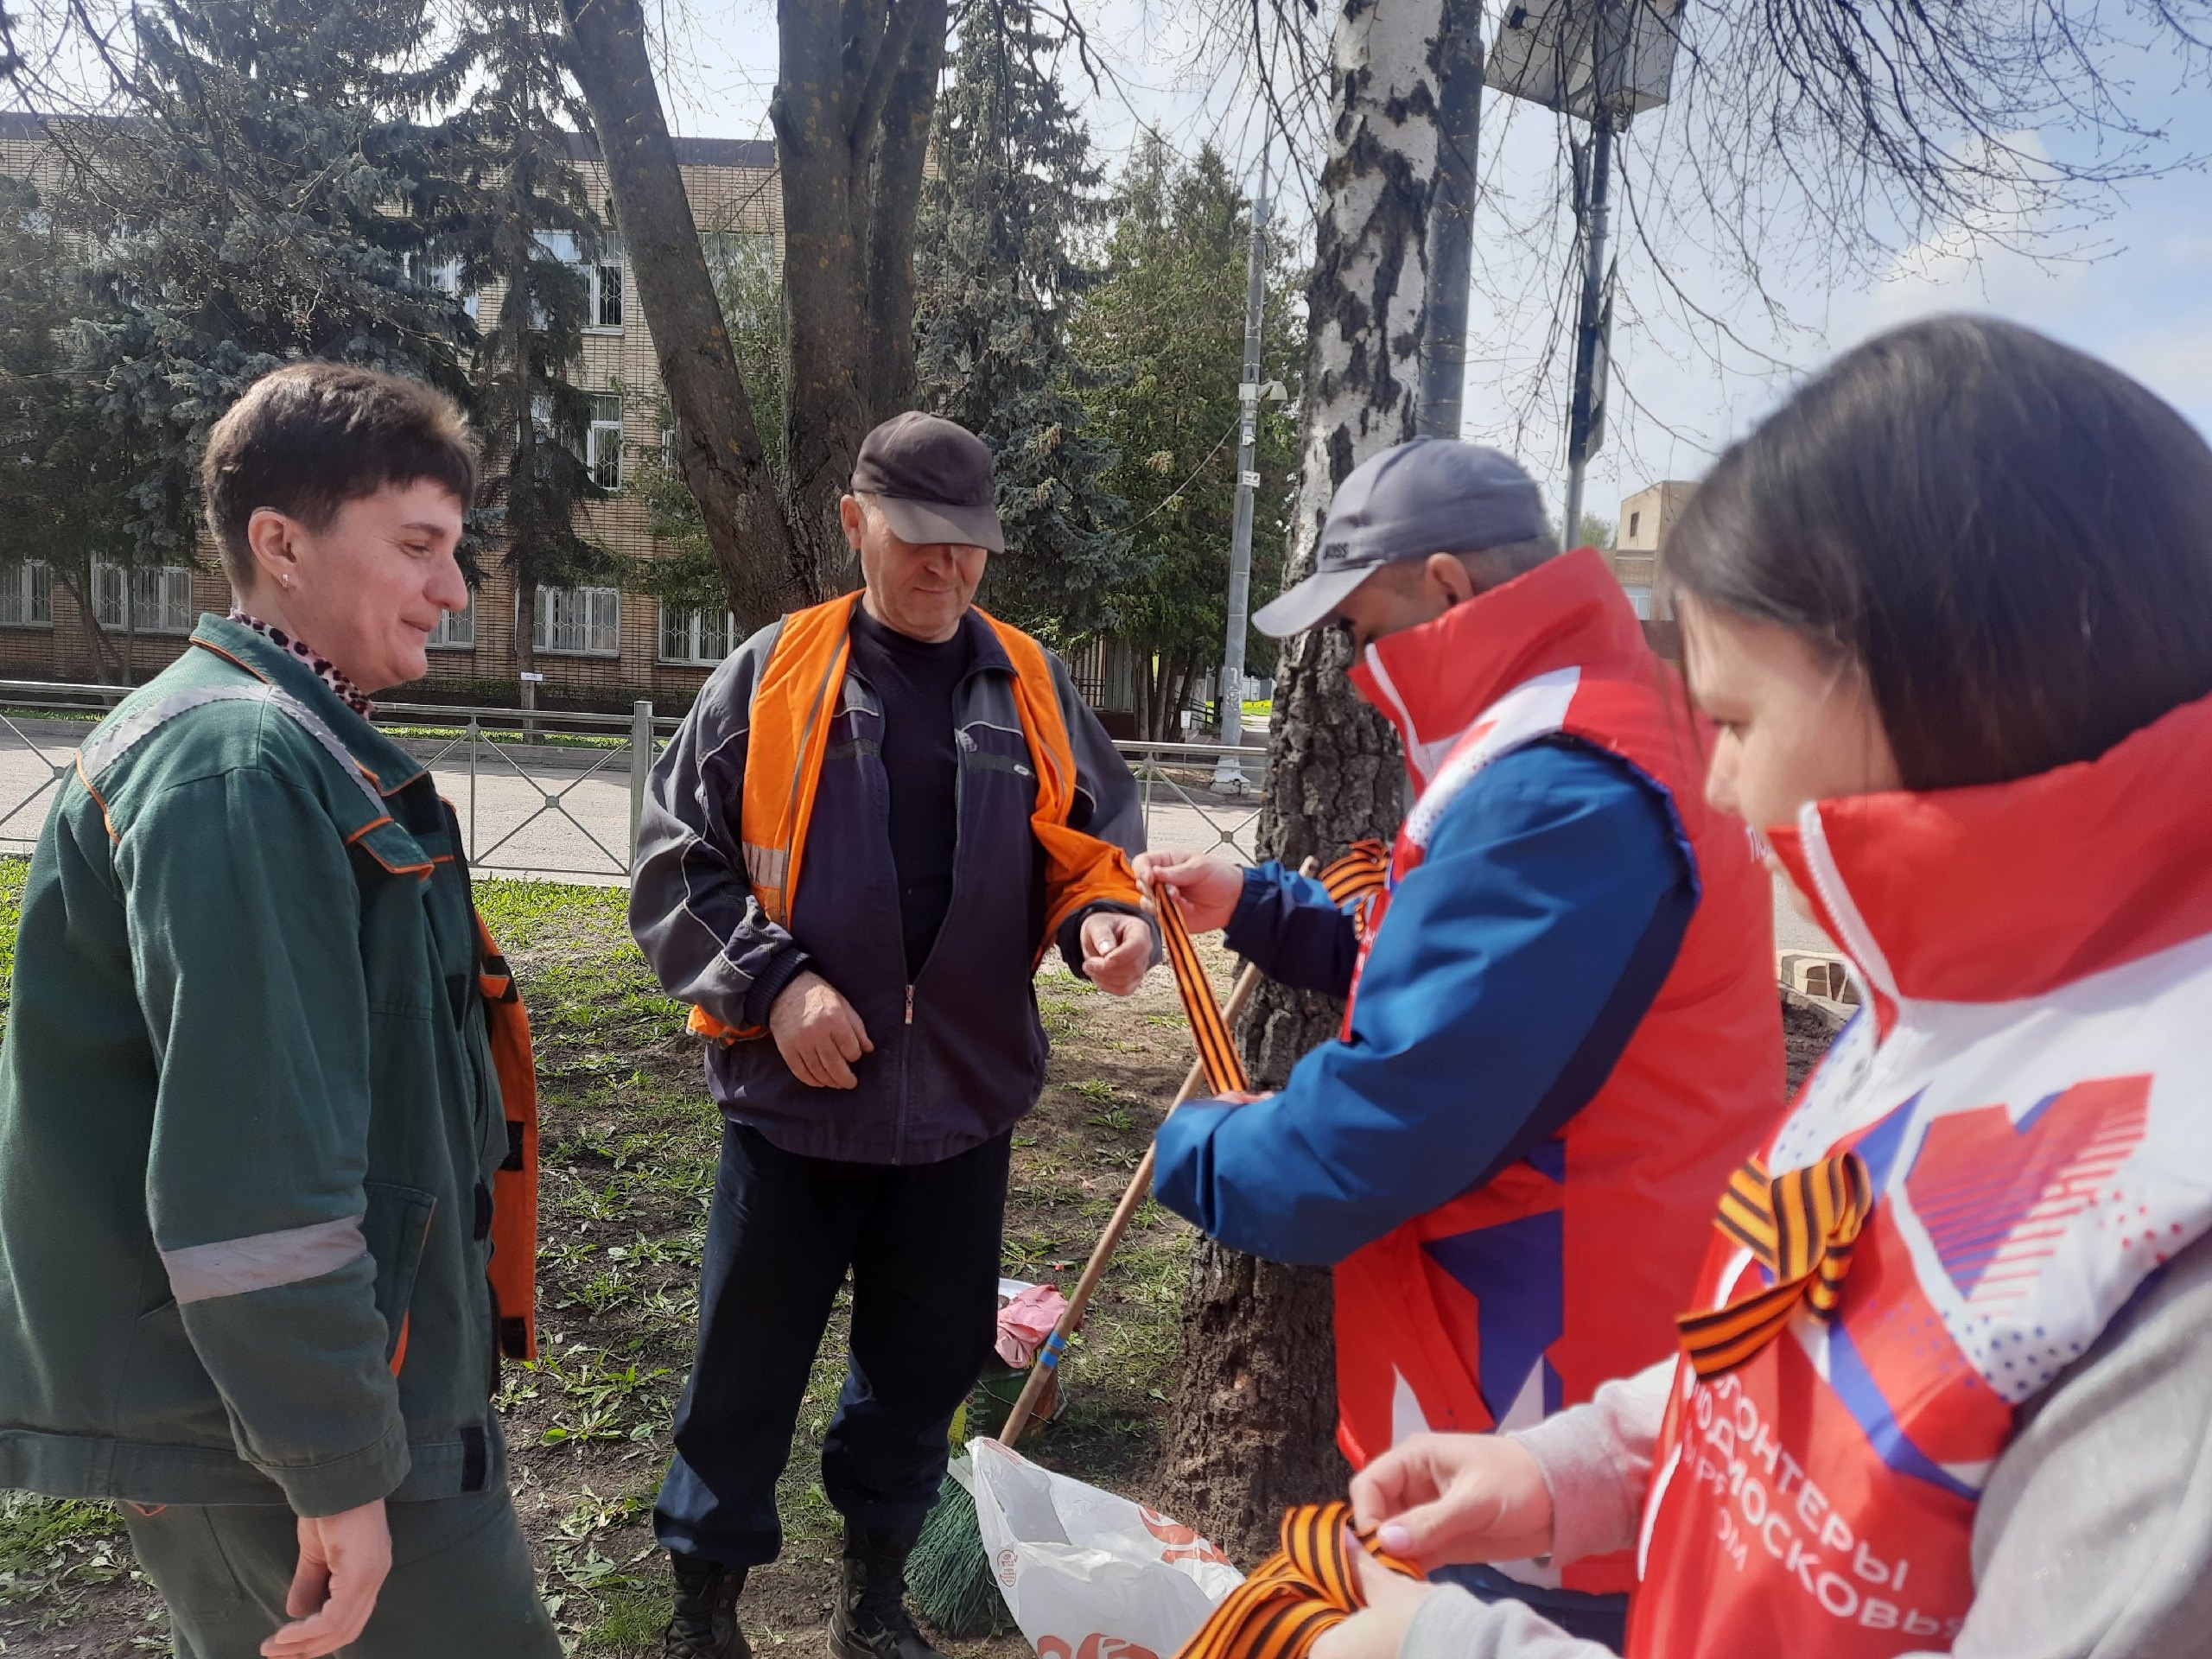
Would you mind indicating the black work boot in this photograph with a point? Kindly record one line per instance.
(870, 1620)
(705, 1622)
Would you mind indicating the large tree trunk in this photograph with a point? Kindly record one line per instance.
(77, 580)
(856, 86)
(718, 445)
(1251, 1430)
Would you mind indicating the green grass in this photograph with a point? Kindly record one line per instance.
(53, 1551)
(629, 1147)
(14, 872)
(496, 734)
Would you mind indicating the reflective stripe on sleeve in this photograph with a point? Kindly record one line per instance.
(262, 1261)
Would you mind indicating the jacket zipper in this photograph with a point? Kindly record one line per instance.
(905, 1052)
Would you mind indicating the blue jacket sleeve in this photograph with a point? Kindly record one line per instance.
(1286, 923)
(1513, 966)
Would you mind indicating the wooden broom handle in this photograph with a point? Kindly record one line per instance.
(1132, 1196)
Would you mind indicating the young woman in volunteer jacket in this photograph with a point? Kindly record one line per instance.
(1946, 1383)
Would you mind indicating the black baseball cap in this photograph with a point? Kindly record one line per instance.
(933, 479)
(1431, 495)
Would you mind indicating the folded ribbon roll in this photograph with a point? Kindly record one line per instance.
(1306, 1587)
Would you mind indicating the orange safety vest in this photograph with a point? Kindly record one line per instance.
(793, 708)
(514, 1184)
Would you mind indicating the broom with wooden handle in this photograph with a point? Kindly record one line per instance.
(1133, 1198)
(950, 1574)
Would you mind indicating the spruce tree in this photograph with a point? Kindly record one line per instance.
(62, 478)
(259, 206)
(997, 268)
(521, 206)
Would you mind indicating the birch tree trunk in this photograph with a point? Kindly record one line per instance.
(1252, 1426)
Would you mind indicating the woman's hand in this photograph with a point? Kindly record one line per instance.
(1207, 887)
(1375, 1631)
(1451, 1499)
(817, 1033)
(344, 1558)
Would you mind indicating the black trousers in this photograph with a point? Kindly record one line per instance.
(922, 1242)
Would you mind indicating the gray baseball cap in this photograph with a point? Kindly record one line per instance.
(1431, 495)
(933, 479)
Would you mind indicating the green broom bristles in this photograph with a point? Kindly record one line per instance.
(949, 1574)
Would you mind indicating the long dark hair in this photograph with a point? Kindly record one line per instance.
(2012, 539)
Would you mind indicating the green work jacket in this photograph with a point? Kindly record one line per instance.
(248, 1117)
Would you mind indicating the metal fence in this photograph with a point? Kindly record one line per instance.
(559, 795)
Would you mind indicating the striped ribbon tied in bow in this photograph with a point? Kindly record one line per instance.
(1363, 870)
(1801, 1227)
(1224, 1071)
(1306, 1587)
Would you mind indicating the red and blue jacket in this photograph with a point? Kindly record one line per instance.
(1563, 1034)
(2020, 1118)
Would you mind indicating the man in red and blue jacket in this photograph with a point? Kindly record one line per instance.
(1563, 1030)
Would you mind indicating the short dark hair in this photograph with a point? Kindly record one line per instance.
(308, 438)
(2012, 539)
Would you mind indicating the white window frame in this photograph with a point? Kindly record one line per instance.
(27, 595)
(603, 441)
(688, 637)
(445, 276)
(457, 630)
(606, 286)
(1639, 599)
(159, 598)
(578, 621)
(608, 290)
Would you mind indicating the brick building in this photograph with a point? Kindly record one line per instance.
(599, 646)
(1646, 517)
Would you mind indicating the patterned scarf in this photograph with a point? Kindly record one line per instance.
(325, 671)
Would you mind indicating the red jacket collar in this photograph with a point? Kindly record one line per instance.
(2006, 891)
(1431, 682)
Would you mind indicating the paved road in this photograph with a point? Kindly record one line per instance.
(566, 813)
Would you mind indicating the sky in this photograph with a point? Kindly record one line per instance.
(1697, 358)
(2132, 283)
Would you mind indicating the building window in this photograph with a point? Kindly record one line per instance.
(27, 596)
(443, 275)
(457, 630)
(1634, 519)
(583, 621)
(158, 599)
(1639, 596)
(603, 441)
(696, 636)
(602, 281)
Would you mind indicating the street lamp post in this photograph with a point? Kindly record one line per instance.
(1229, 772)
(1600, 62)
(1586, 419)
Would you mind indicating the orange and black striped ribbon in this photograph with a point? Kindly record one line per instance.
(1364, 870)
(1801, 1227)
(1306, 1588)
(1224, 1071)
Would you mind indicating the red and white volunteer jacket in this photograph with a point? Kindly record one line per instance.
(2031, 1093)
(1582, 1251)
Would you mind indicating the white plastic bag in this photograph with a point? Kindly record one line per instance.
(1087, 1574)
